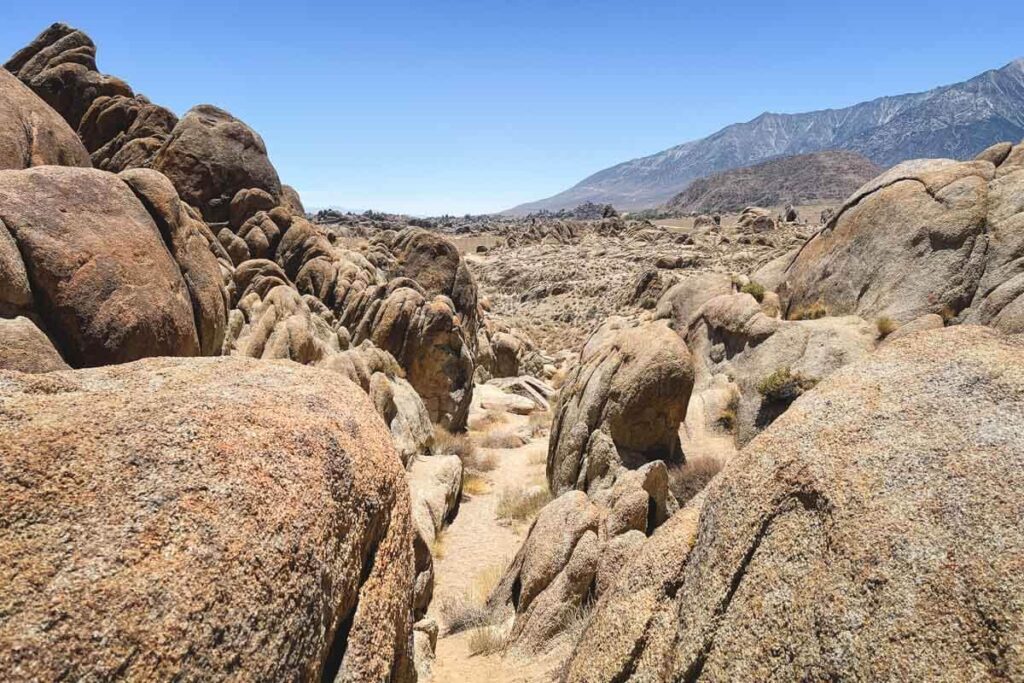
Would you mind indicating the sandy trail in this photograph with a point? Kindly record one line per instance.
(478, 543)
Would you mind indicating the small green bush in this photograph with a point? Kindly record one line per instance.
(755, 290)
(784, 385)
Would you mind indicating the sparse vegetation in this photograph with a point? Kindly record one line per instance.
(755, 290)
(469, 610)
(687, 480)
(486, 640)
(520, 505)
(784, 385)
(504, 438)
(885, 326)
(461, 445)
(727, 419)
(473, 484)
(540, 422)
(437, 546)
(809, 312)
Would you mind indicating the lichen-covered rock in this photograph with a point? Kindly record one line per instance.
(620, 406)
(225, 518)
(33, 134)
(871, 533)
(210, 155)
(96, 265)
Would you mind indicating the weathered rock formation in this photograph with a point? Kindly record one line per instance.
(574, 550)
(31, 133)
(769, 361)
(224, 517)
(620, 406)
(112, 268)
(872, 532)
(927, 236)
(210, 156)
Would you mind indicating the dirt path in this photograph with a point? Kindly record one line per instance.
(476, 548)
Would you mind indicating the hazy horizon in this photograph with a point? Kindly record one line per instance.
(462, 107)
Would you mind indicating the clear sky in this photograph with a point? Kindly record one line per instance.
(432, 106)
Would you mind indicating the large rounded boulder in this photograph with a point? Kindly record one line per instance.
(115, 269)
(931, 236)
(33, 134)
(620, 406)
(873, 532)
(226, 518)
(211, 155)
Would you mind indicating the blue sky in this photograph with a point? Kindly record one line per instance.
(459, 106)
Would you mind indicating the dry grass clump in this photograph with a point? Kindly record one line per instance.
(489, 419)
(446, 443)
(558, 379)
(504, 438)
(486, 640)
(687, 480)
(520, 505)
(755, 290)
(784, 385)
(809, 312)
(473, 484)
(540, 422)
(469, 609)
(885, 326)
(461, 445)
(437, 546)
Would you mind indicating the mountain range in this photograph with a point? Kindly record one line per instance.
(955, 121)
(830, 175)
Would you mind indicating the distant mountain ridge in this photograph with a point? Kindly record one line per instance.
(955, 121)
(830, 175)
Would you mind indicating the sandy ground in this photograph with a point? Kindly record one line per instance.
(478, 545)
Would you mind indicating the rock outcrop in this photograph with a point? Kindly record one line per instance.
(24, 348)
(574, 550)
(927, 236)
(119, 128)
(113, 268)
(226, 517)
(769, 361)
(620, 406)
(210, 156)
(33, 134)
(872, 532)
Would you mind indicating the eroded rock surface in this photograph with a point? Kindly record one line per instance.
(163, 541)
(872, 532)
(620, 406)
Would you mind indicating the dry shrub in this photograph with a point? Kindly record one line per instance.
(809, 312)
(486, 640)
(461, 445)
(540, 422)
(885, 326)
(558, 379)
(520, 505)
(687, 480)
(473, 484)
(469, 609)
(504, 438)
(783, 385)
